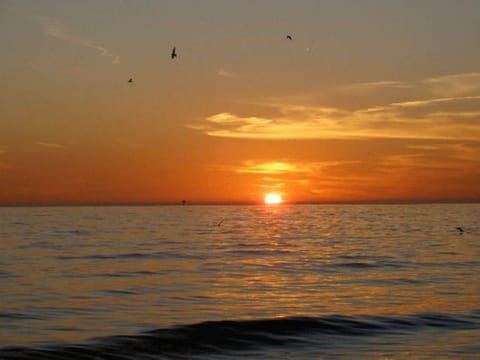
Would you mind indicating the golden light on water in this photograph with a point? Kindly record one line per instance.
(273, 199)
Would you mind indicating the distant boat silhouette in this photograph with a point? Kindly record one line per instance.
(130, 80)
(173, 55)
(289, 37)
(460, 230)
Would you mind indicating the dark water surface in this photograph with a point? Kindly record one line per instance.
(225, 282)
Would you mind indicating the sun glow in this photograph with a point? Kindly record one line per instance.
(273, 199)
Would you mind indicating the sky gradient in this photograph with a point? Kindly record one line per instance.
(370, 101)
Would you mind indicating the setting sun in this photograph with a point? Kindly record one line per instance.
(273, 199)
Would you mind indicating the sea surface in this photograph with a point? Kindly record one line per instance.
(230, 282)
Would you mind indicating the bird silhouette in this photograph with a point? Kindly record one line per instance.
(173, 55)
(289, 37)
(130, 80)
(460, 230)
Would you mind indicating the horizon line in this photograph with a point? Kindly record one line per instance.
(240, 203)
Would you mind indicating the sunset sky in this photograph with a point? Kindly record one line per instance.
(369, 101)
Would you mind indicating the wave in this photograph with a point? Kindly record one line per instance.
(224, 337)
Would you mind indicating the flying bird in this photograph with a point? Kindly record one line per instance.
(289, 37)
(173, 55)
(460, 230)
(130, 80)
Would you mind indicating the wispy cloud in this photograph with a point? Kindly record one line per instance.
(424, 147)
(434, 101)
(426, 117)
(274, 185)
(452, 85)
(226, 73)
(59, 31)
(366, 86)
(252, 167)
(50, 145)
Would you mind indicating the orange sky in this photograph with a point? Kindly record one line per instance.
(370, 101)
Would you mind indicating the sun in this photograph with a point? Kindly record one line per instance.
(273, 199)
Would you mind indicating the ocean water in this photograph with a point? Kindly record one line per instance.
(228, 282)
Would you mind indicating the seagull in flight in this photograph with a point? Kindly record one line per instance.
(173, 55)
(289, 37)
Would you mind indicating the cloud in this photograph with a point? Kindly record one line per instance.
(282, 175)
(51, 145)
(424, 147)
(434, 101)
(376, 85)
(56, 30)
(424, 117)
(353, 178)
(276, 186)
(466, 152)
(454, 85)
(231, 125)
(297, 171)
(226, 73)
(273, 168)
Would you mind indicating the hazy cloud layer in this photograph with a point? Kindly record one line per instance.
(56, 30)
(446, 107)
(334, 180)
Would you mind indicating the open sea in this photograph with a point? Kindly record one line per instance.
(231, 282)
